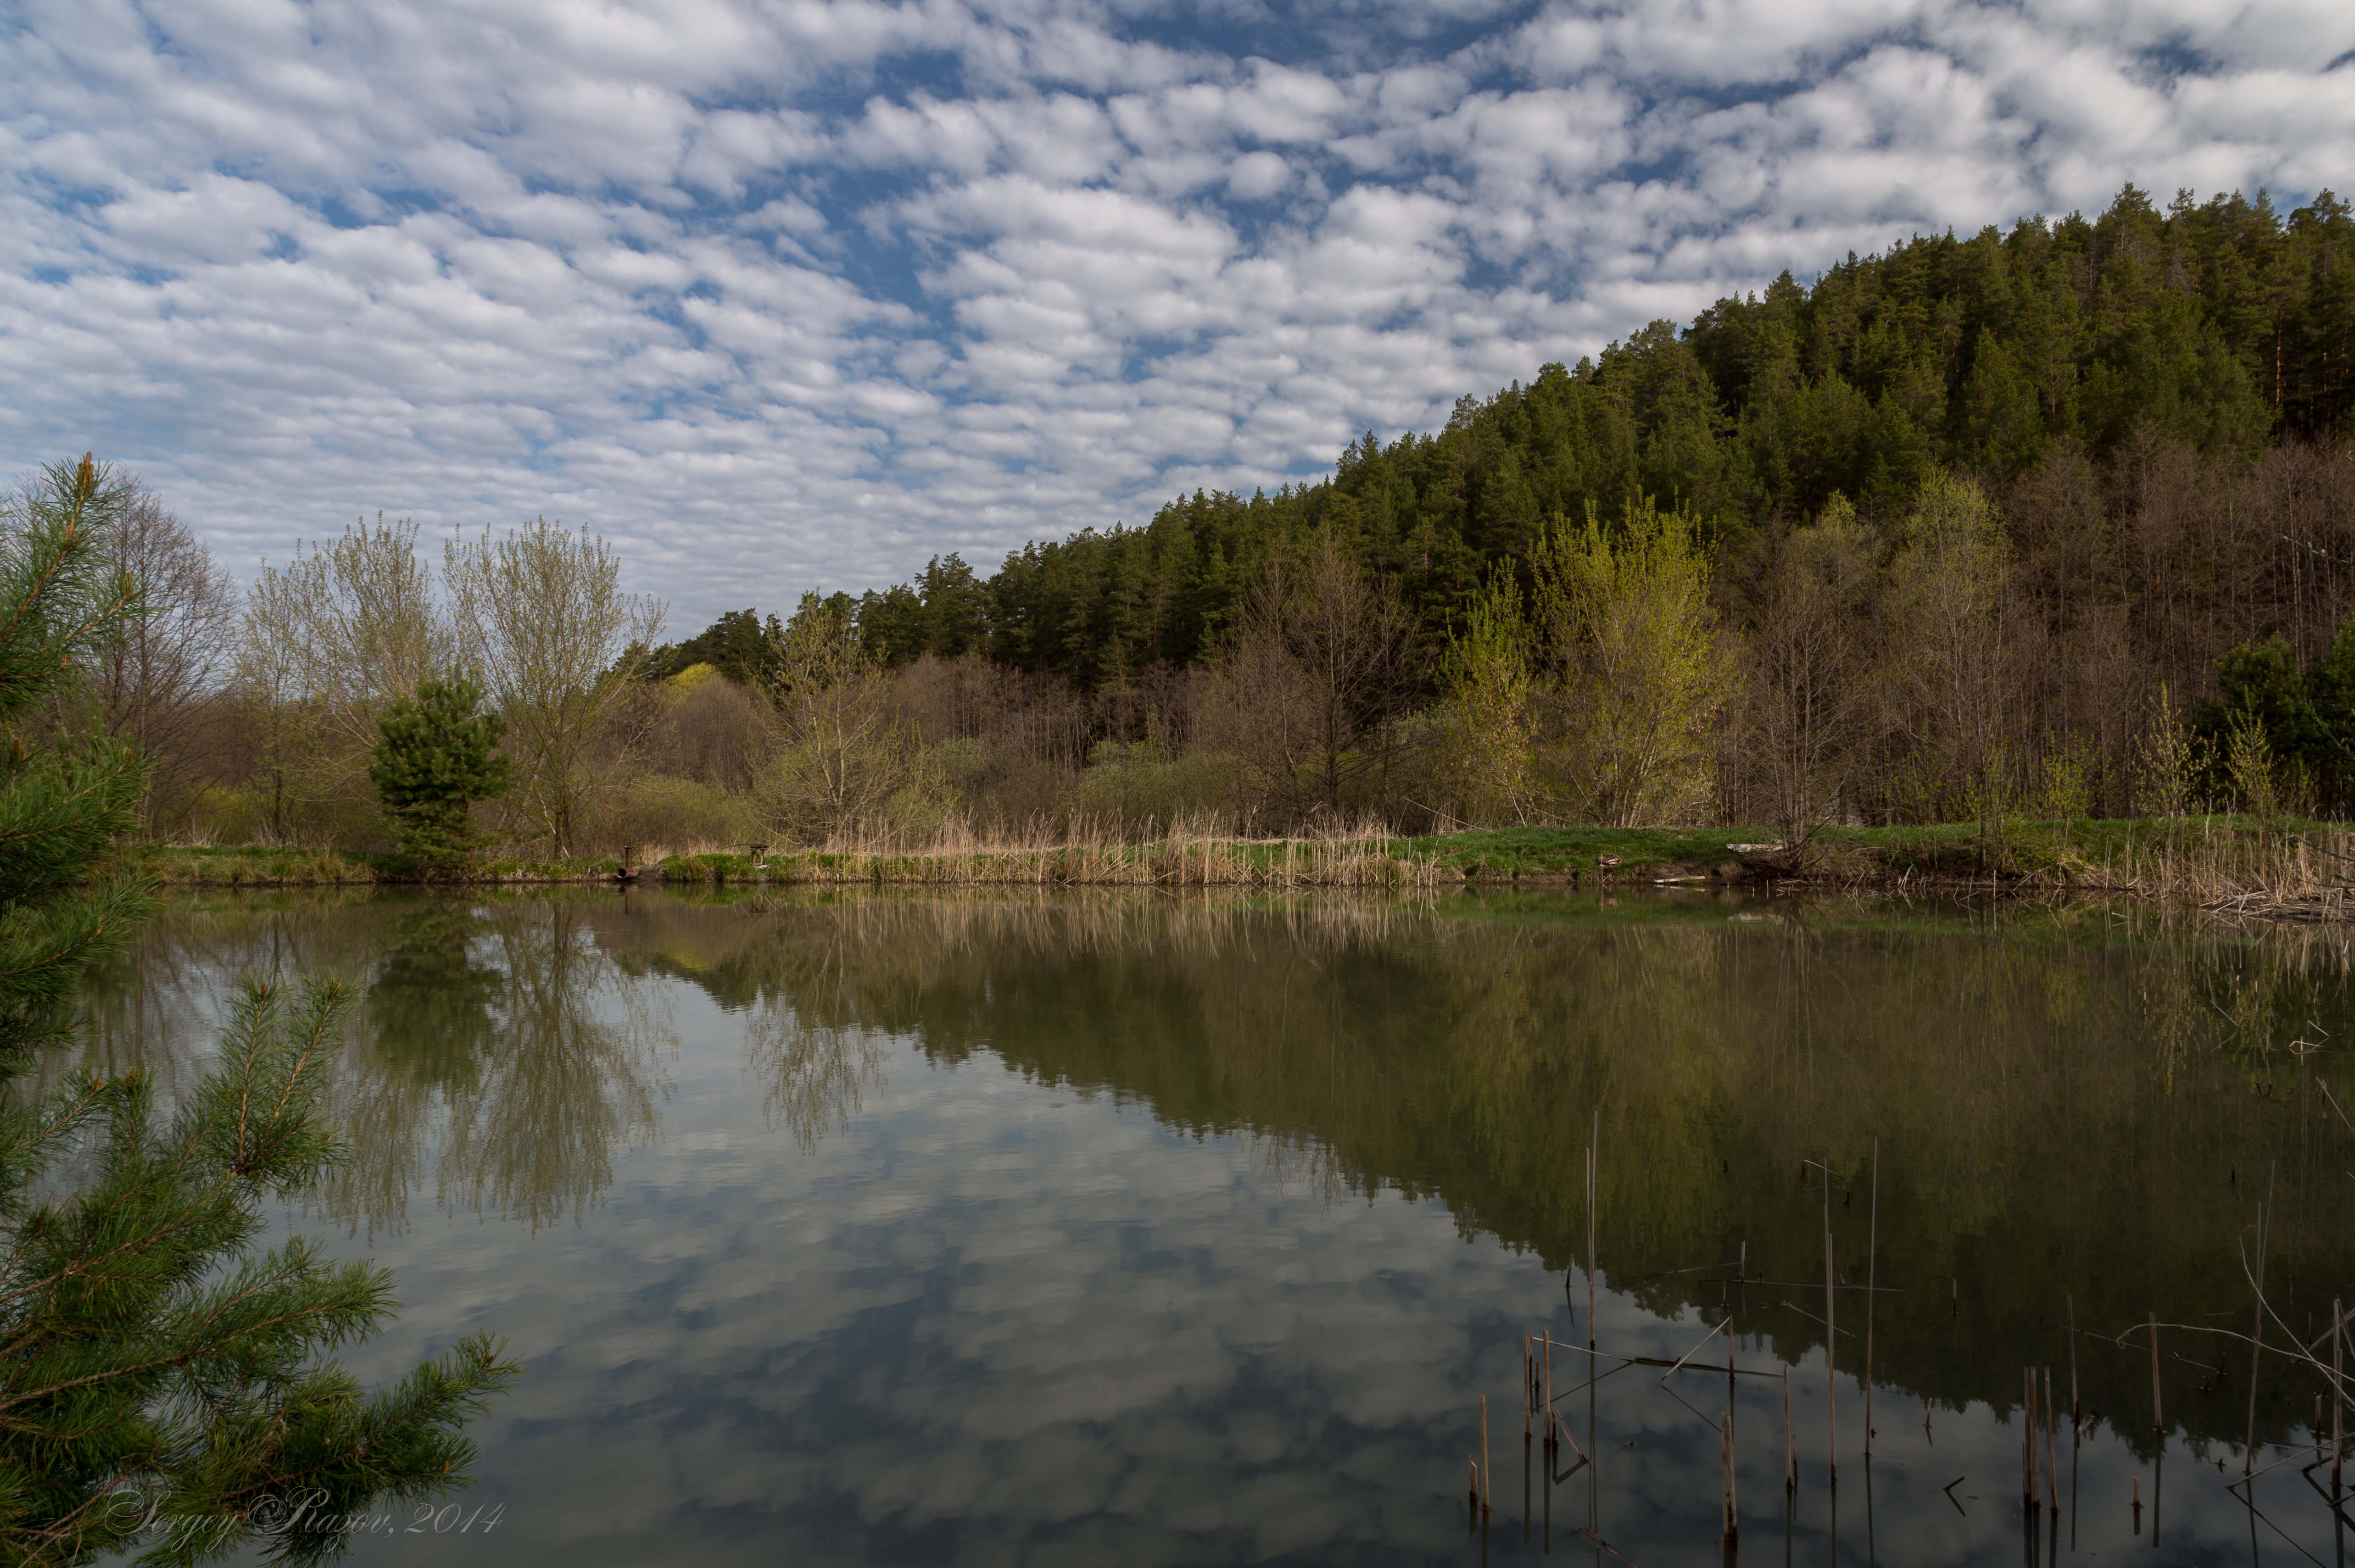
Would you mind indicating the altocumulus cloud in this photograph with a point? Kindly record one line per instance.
(781, 292)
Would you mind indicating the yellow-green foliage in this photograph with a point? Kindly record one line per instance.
(1489, 720)
(241, 814)
(656, 810)
(1944, 612)
(255, 866)
(1628, 625)
(1141, 789)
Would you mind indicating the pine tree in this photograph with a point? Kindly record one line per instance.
(2220, 326)
(164, 1386)
(437, 755)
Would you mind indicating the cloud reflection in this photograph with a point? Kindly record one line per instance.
(938, 1230)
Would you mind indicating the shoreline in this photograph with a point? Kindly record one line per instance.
(2235, 865)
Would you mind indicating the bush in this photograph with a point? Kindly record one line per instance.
(656, 811)
(1143, 790)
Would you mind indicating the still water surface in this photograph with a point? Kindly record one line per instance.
(1028, 1229)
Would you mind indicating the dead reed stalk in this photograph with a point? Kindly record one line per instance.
(1085, 854)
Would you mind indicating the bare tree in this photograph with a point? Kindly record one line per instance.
(282, 717)
(328, 639)
(360, 619)
(541, 616)
(1316, 669)
(152, 679)
(708, 728)
(1810, 689)
(849, 759)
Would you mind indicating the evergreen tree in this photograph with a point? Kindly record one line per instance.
(2221, 326)
(735, 645)
(164, 1388)
(437, 755)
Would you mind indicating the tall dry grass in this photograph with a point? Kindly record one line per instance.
(1192, 852)
(2305, 873)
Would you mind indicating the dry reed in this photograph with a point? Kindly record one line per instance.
(2271, 872)
(1083, 852)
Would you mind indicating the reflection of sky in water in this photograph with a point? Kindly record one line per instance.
(991, 1321)
(987, 1320)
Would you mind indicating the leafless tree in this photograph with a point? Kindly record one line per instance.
(327, 639)
(356, 619)
(1316, 669)
(711, 731)
(848, 759)
(541, 616)
(1808, 695)
(152, 681)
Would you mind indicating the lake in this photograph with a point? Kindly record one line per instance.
(1015, 1227)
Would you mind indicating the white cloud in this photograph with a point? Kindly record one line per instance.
(780, 293)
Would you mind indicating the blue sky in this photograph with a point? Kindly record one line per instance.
(782, 293)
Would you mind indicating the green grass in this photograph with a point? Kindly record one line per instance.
(254, 865)
(1561, 852)
(2050, 852)
(2071, 852)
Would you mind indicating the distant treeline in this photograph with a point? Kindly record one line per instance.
(2210, 330)
(2057, 522)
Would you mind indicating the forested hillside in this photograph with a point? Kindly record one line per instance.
(2193, 337)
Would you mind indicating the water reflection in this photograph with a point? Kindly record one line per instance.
(806, 1041)
(2075, 1110)
(1192, 1229)
(507, 1049)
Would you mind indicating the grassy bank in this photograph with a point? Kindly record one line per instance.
(2235, 862)
(2201, 860)
(1355, 863)
(268, 865)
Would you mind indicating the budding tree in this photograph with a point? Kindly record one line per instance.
(329, 639)
(1640, 676)
(540, 617)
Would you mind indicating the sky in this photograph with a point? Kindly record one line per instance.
(779, 295)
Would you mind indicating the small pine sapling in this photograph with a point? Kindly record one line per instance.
(166, 1388)
(437, 755)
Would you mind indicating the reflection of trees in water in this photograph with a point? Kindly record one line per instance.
(573, 1080)
(428, 1023)
(1298, 1163)
(153, 1005)
(815, 1062)
(2058, 1108)
(813, 1079)
(499, 1044)
(2060, 1097)
(506, 1031)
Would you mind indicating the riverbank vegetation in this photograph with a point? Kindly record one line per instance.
(2234, 864)
(1966, 547)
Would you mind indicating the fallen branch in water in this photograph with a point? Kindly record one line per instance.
(1606, 1545)
(2264, 904)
